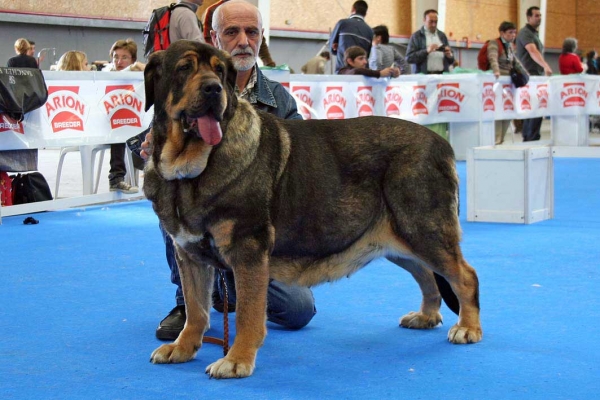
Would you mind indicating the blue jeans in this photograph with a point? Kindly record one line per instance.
(290, 306)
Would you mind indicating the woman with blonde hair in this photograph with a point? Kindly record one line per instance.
(73, 61)
(22, 60)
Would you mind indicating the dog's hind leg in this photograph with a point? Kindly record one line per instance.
(429, 314)
(423, 204)
(197, 282)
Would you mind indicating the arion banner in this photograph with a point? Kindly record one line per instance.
(108, 107)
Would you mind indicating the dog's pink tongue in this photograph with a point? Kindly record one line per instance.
(210, 130)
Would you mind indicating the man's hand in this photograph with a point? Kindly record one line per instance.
(547, 70)
(395, 72)
(147, 147)
(432, 47)
(389, 71)
(448, 52)
(497, 74)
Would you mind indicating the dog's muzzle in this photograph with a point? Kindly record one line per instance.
(207, 125)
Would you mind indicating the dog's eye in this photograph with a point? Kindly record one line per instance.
(219, 69)
(184, 67)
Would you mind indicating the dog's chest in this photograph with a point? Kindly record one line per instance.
(179, 210)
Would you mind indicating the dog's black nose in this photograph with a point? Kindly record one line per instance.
(211, 89)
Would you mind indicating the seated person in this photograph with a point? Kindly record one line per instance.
(73, 60)
(123, 54)
(356, 64)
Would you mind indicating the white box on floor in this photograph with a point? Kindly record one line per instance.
(513, 184)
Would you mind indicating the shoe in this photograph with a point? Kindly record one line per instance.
(170, 327)
(123, 187)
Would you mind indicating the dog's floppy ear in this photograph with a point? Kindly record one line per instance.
(152, 75)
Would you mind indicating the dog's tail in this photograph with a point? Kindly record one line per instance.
(447, 293)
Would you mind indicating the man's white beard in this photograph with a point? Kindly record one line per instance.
(246, 63)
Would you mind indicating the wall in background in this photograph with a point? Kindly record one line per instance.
(299, 28)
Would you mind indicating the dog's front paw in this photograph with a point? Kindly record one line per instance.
(462, 334)
(172, 354)
(418, 320)
(226, 368)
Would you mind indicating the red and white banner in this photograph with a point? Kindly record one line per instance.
(108, 107)
(82, 108)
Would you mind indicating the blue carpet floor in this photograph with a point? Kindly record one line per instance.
(83, 291)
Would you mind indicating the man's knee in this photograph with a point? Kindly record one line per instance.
(292, 307)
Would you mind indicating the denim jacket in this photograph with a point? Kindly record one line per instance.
(271, 96)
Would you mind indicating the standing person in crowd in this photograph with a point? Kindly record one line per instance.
(383, 54)
(316, 65)
(356, 64)
(237, 29)
(592, 62)
(22, 59)
(352, 31)
(501, 56)
(569, 62)
(430, 53)
(27, 159)
(428, 48)
(529, 52)
(184, 23)
(31, 53)
(264, 53)
(73, 60)
(123, 54)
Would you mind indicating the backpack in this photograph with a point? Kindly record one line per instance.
(156, 33)
(482, 58)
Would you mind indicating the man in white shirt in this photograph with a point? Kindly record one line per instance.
(428, 48)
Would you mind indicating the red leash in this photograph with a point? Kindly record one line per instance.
(225, 341)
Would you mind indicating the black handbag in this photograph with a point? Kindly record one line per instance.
(29, 188)
(518, 78)
(21, 90)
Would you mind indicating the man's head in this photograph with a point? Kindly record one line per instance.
(31, 51)
(237, 29)
(123, 53)
(569, 45)
(430, 20)
(534, 16)
(22, 46)
(591, 55)
(508, 31)
(383, 33)
(356, 57)
(326, 55)
(360, 7)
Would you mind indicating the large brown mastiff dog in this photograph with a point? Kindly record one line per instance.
(301, 202)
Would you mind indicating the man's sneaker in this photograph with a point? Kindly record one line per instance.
(123, 187)
(170, 327)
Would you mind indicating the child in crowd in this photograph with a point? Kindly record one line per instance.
(356, 64)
